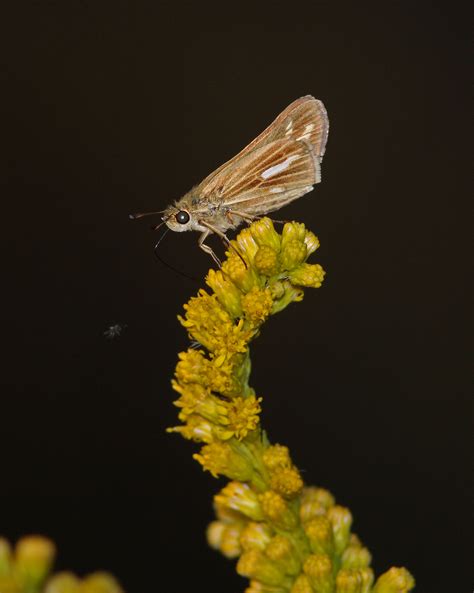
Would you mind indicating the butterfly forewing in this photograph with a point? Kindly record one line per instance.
(264, 180)
(305, 119)
(280, 165)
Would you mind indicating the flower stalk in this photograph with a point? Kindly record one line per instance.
(287, 537)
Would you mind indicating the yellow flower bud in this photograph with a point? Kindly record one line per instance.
(230, 540)
(311, 242)
(355, 556)
(308, 275)
(276, 510)
(196, 399)
(276, 456)
(353, 580)
(341, 520)
(255, 536)
(219, 458)
(281, 551)
(244, 276)
(34, 556)
(367, 576)
(214, 533)
(241, 415)
(235, 269)
(63, 582)
(245, 244)
(240, 497)
(319, 570)
(293, 231)
(226, 514)
(286, 481)
(267, 261)
(196, 429)
(257, 305)
(212, 374)
(192, 367)
(293, 253)
(315, 502)
(395, 580)
(227, 292)
(283, 294)
(264, 233)
(302, 585)
(320, 535)
(255, 565)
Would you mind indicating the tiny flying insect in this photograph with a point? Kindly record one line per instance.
(114, 331)
(282, 164)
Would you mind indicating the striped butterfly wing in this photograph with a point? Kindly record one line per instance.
(305, 118)
(270, 177)
(280, 165)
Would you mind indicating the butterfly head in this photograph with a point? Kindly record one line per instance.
(178, 219)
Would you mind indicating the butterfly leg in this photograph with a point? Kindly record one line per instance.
(224, 238)
(206, 248)
(247, 217)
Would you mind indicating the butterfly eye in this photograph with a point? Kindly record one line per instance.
(182, 217)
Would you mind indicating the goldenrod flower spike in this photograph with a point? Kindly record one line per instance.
(287, 537)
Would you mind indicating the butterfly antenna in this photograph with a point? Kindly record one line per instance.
(155, 249)
(164, 262)
(138, 215)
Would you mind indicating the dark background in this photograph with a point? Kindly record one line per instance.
(113, 108)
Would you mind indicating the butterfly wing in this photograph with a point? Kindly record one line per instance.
(304, 119)
(270, 177)
(280, 165)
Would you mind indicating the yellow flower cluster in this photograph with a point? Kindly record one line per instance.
(263, 273)
(288, 538)
(26, 568)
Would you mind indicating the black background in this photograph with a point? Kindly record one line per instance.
(115, 107)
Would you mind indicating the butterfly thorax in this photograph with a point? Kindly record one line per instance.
(209, 210)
